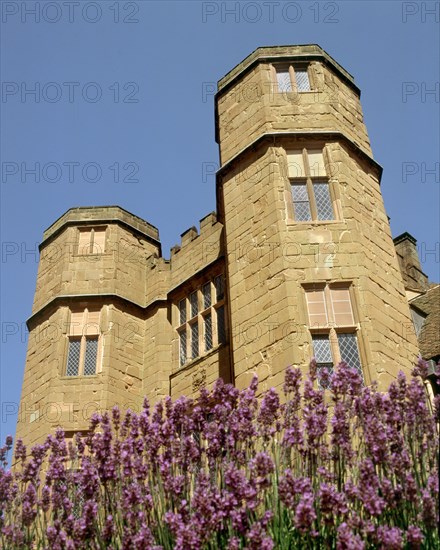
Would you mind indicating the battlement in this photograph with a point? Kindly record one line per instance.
(190, 234)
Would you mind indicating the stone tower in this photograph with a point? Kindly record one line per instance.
(298, 261)
(311, 266)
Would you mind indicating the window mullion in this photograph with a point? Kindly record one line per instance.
(82, 355)
(292, 78)
(214, 325)
(311, 193)
(335, 347)
(329, 304)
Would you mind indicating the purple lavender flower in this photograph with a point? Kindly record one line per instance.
(414, 537)
(229, 470)
(390, 538)
(347, 540)
(305, 513)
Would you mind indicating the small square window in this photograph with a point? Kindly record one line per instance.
(292, 78)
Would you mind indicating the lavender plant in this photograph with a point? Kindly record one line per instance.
(345, 468)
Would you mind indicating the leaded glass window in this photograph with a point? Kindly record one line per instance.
(206, 295)
(91, 356)
(208, 331)
(292, 78)
(323, 201)
(194, 340)
(283, 80)
(73, 358)
(83, 343)
(301, 204)
(221, 332)
(194, 304)
(349, 349)
(182, 311)
(182, 346)
(332, 326)
(311, 196)
(302, 80)
(205, 328)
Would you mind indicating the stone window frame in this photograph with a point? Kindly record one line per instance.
(192, 312)
(84, 326)
(309, 179)
(290, 68)
(331, 327)
(97, 237)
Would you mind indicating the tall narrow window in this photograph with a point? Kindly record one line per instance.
(332, 326)
(349, 349)
(292, 78)
(310, 187)
(206, 326)
(73, 356)
(194, 340)
(182, 347)
(301, 202)
(221, 333)
(283, 80)
(219, 288)
(182, 311)
(83, 344)
(91, 355)
(194, 304)
(302, 80)
(208, 331)
(206, 295)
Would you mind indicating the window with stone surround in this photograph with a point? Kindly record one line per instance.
(332, 326)
(292, 78)
(83, 351)
(91, 240)
(311, 193)
(201, 320)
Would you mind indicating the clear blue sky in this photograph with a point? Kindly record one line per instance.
(168, 133)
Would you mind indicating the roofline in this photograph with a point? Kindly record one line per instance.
(96, 207)
(269, 53)
(117, 221)
(403, 237)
